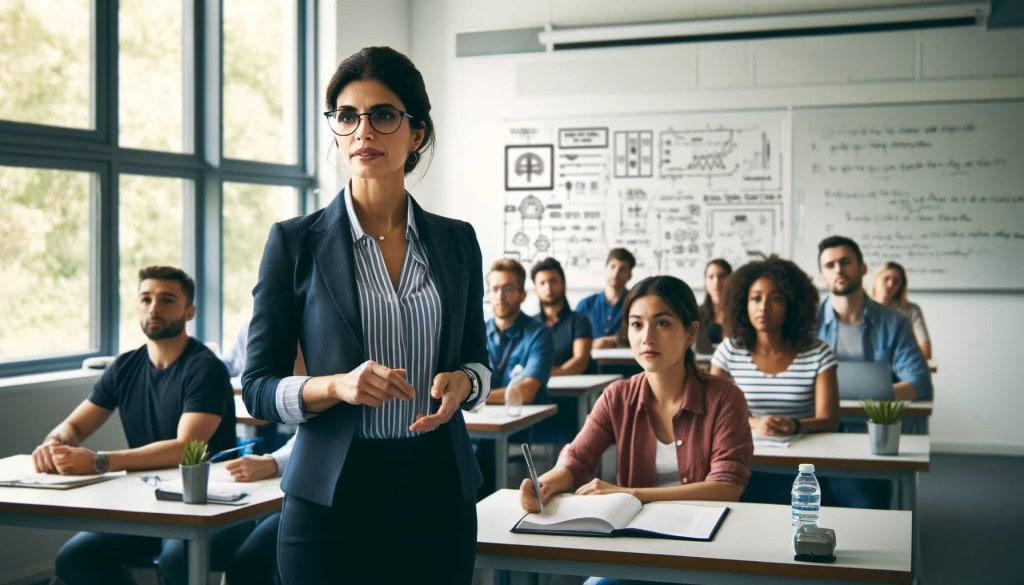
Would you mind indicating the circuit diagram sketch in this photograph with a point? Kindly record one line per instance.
(675, 190)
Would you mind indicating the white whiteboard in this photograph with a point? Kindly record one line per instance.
(936, 187)
(676, 189)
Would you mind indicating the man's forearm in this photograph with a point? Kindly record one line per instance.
(152, 456)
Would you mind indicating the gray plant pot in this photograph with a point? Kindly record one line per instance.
(885, 439)
(194, 479)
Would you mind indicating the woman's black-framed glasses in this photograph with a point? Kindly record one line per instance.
(345, 121)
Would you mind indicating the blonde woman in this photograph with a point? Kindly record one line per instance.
(890, 289)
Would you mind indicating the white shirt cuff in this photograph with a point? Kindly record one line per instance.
(484, 375)
(289, 400)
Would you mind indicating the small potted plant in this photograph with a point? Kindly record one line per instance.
(884, 425)
(195, 472)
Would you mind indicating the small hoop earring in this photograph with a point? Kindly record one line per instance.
(414, 157)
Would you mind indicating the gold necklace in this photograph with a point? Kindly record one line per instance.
(387, 233)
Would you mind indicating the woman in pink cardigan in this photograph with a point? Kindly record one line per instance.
(681, 435)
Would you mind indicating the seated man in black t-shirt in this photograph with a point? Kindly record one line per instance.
(168, 391)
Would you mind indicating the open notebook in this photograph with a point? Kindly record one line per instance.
(623, 515)
(18, 471)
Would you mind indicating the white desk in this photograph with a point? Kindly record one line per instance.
(243, 417)
(623, 356)
(584, 388)
(849, 455)
(613, 356)
(753, 545)
(492, 422)
(127, 506)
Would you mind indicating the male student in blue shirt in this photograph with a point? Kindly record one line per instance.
(859, 329)
(520, 348)
(605, 308)
(571, 331)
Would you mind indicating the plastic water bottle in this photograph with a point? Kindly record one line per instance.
(806, 498)
(514, 393)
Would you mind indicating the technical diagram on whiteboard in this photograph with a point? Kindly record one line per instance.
(529, 167)
(674, 189)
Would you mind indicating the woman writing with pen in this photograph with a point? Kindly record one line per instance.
(680, 435)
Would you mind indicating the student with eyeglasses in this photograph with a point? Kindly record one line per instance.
(383, 300)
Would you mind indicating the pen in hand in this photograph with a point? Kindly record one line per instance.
(223, 454)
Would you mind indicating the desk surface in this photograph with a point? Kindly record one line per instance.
(492, 418)
(580, 383)
(847, 451)
(914, 408)
(754, 541)
(129, 498)
(624, 355)
(242, 415)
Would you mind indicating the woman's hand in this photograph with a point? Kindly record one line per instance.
(372, 384)
(528, 496)
(452, 389)
(596, 487)
(252, 467)
(773, 426)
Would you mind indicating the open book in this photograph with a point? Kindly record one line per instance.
(623, 515)
(18, 471)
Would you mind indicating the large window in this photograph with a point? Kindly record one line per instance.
(45, 262)
(249, 211)
(151, 80)
(45, 62)
(135, 133)
(260, 114)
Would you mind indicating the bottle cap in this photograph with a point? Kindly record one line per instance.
(807, 467)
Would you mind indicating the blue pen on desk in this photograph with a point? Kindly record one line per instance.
(222, 454)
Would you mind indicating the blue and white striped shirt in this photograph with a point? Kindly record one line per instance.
(789, 393)
(401, 329)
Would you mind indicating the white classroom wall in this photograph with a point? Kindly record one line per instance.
(978, 393)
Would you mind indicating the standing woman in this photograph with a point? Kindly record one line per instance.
(680, 434)
(711, 312)
(383, 300)
(890, 289)
(772, 353)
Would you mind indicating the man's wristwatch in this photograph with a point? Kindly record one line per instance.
(101, 463)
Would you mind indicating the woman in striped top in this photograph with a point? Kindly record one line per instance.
(787, 374)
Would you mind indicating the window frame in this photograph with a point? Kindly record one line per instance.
(97, 151)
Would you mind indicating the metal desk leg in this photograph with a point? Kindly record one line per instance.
(199, 558)
(501, 461)
(908, 501)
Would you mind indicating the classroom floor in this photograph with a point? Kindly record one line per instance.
(965, 541)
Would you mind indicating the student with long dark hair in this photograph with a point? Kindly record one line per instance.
(680, 434)
(772, 353)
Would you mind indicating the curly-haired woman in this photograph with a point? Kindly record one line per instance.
(787, 374)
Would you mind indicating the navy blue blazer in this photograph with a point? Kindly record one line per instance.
(306, 296)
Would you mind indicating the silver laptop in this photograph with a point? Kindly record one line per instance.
(860, 380)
